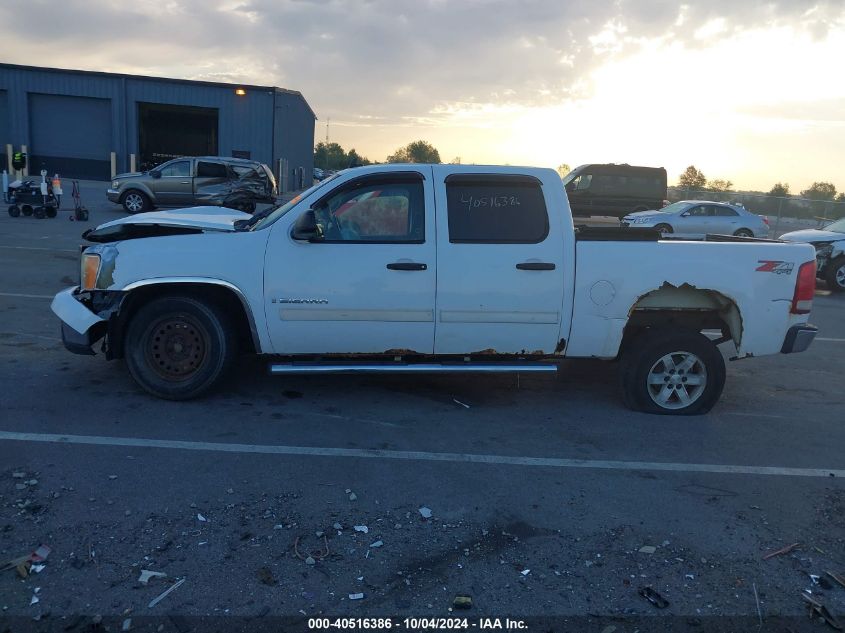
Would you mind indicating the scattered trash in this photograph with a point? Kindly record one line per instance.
(38, 568)
(377, 544)
(127, 625)
(314, 556)
(201, 518)
(525, 572)
(265, 576)
(362, 528)
(310, 561)
(352, 496)
(608, 629)
(356, 596)
(462, 601)
(653, 597)
(463, 404)
(18, 475)
(781, 551)
(817, 609)
(757, 600)
(840, 578)
(34, 600)
(814, 579)
(112, 477)
(146, 575)
(689, 576)
(647, 549)
(23, 563)
(337, 526)
(166, 593)
(20, 486)
(425, 512)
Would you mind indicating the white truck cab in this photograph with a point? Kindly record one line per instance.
(431, 268)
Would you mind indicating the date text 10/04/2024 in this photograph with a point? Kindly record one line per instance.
(422, 623)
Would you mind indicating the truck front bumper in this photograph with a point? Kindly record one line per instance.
(798, 338)
(113, 195)
(81, 328)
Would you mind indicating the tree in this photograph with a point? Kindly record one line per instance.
(840, 197)
(416, 152)
(563, 169)
(692, 178)
(820, 191)
(780, 189)
(719, 185)
(455, 161)
(333, 156)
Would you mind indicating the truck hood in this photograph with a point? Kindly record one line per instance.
(813, 235)
(160, 223)
(133, 174)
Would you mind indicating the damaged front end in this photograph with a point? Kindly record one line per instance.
(824, 255)
(87, 317)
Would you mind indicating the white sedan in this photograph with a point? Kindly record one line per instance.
(697, 218)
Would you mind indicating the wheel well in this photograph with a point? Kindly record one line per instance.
(220, 297)
(685, 307)
(135, 190)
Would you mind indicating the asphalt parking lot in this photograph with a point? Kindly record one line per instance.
(546, 496)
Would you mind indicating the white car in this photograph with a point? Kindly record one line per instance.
(698, 218)
(829, 243)
(431, 269)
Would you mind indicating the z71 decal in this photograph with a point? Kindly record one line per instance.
(775, 266)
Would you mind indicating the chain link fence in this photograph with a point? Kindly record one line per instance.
(787, 213)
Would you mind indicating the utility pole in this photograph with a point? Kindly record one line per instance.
(328, 121)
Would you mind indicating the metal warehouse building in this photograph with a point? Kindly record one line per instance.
(83, 124)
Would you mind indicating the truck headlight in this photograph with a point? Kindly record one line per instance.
(90, 269)
(115, 184)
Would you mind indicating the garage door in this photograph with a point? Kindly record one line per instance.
(4, 128)
(71, 136)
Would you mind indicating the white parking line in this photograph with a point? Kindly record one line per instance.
(316, 451)
(39, 248)
(20, 295)
(831, 340)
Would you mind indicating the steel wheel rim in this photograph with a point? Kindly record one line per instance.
(134, 202)
(176, 347)
(677, 380)
(840, 276)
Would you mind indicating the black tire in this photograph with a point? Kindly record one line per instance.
(743, 233)
(664, 228)
(51, 211)
(179, 347)
(834, 274)
(135, 201)
(26, 209)
(647, 352)
(39, 212)
(14, 211)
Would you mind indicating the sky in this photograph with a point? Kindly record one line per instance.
(751, 92)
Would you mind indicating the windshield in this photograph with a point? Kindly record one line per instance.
(571, 176)
(267, 217)
(836, 227)
(674, 207)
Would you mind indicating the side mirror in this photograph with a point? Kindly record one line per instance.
(155, 173)
(685, 214)
(306, 228)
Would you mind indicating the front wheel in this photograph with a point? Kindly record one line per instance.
(834, 275)
(135, 202)
(743, 233)
(178, 347)
(672, 373)
(665, 229)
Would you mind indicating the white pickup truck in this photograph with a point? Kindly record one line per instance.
(431, 268)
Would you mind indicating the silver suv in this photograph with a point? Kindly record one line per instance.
(196, 180)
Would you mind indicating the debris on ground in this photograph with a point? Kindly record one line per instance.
(337, 526)
(362, 528)
(377, 543)
(840, 578)
(127, 625)
(356, 596)
(525, 572)
(463, 404)
(781, 551)
(146, 575)
(310, 561)
(23, 563)
(166, 593)
(352, 495)
(653, 597)
(265, 576)
(318, 555)
(647, 549)
(818, 610)
(201, 518)
(462, 601)
(425, 512)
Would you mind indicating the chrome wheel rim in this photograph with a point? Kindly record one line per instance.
(840, 276)
(677, 380)
(134, 202)
(176, 347)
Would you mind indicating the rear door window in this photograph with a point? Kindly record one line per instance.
(725, 212)
(496, 209)
(211, 170)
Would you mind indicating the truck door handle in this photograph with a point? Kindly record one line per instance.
(535, 266)
(186, 182)
(406, 266)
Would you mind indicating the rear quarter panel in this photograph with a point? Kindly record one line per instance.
(612, 276)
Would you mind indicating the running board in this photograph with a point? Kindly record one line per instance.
(411, 368)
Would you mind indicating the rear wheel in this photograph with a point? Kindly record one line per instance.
(14, 211)
(743, 233)
(135, 202)
(178, 347)
(672, 373)
(834, 275)
(664, 229)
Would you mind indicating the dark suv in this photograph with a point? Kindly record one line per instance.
(615, 190)
(196, 180)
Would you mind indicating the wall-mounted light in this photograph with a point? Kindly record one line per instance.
(240, 92)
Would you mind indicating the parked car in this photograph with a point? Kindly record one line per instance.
(318, 174)
(697, 218)
(204, 180)
(364, 272)
(829, 243)
(614, 190)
